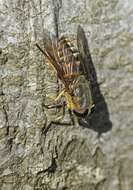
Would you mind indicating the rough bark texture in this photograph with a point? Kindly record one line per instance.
(69, 157)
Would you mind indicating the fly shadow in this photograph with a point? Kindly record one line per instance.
(98, 120)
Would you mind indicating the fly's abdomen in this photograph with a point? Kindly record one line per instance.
(69, 59)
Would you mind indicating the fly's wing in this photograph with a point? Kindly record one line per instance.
(49, 50)
(85, 56)
(86, 66)
(68, 57)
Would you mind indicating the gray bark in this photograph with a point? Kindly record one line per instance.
(98, 156)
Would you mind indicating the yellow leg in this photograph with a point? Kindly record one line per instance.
(56, 98)
(52, 97)
(59, 96)
(51, 67)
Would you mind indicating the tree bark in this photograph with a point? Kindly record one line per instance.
(97, 156)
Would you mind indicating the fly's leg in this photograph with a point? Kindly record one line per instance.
(53, 106)
(57, 120)
(56, 106)
(59, 96)
(55, 99)
(71, 117)
(52, 123)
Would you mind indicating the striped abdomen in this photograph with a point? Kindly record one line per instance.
(68, 56)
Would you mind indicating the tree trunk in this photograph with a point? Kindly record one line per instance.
(70, 157)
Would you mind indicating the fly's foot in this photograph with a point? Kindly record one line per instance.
(54, 124)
